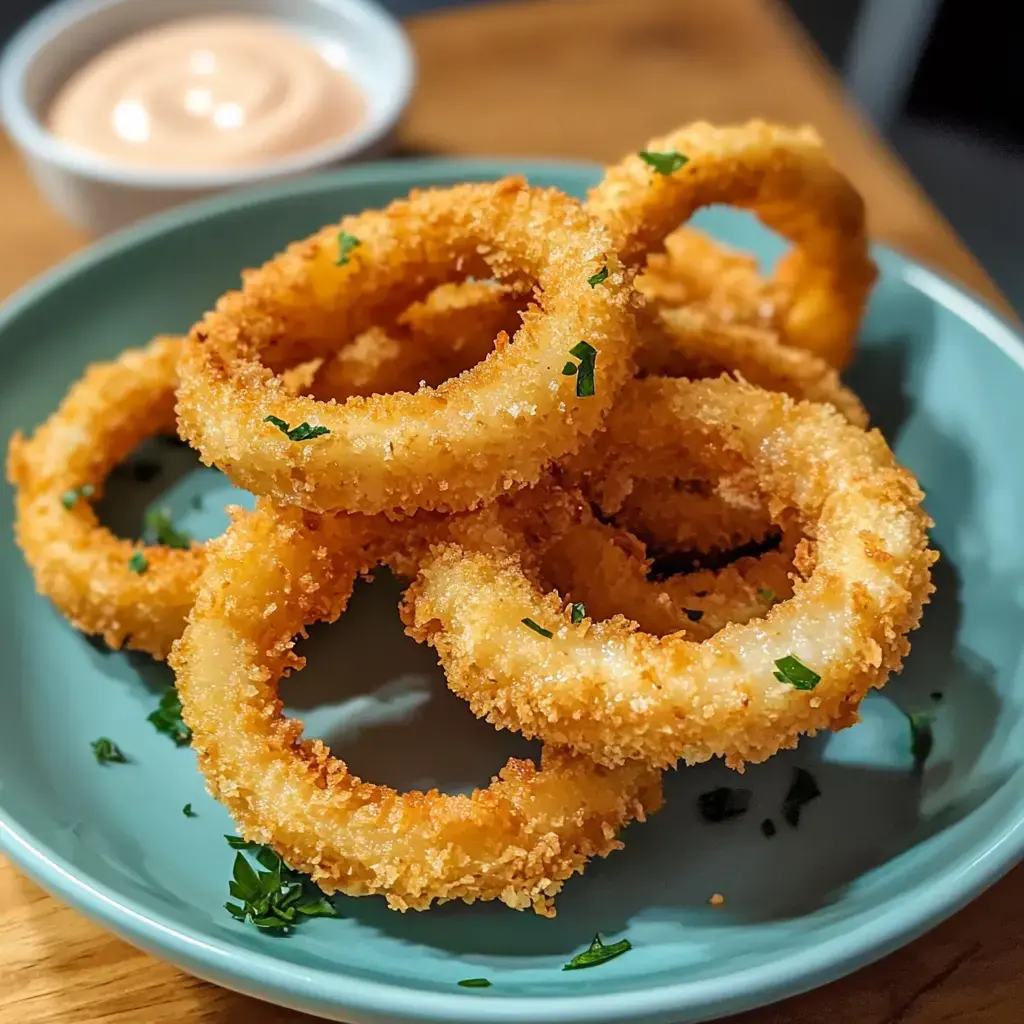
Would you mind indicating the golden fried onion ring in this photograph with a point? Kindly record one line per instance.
(77, 563)
(785, 177)
(494, 428)
(455, 326)
(685, 343)
(269, 576)
(614, 693)
(563, 545)
(452, 329)
(699, 273)
(679, 514)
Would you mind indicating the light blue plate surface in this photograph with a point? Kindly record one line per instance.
(882, 856)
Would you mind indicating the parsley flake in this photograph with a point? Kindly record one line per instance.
(664, 163)
(160, 529)
(577, 613)
(68, 498)
(474, 983)
(796, 673)
(597, 953)
(276, 898)
(587, 355)
(303, 432)
(346, 243)
(598, 278)
(802, 790)
(767, 595)
(538, 629)
(238, 843)
(137, 563)
(768, 828)
(723, 804)
(107, 751)
(921, 738)
(167, 718)
(694, 614)
(188, 812)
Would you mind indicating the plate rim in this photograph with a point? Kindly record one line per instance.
(982, 863)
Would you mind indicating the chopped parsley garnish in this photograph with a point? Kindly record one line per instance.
(303, 432)
(68, 498)
(577, 613)
(107, 751)
(796, 673)
(768, 828)
(538, 629)
(598, 278)
(137, 563)
(597, 953)
(276, 898)
(167, 718)
(238, 843)
(587, 356)
(766, 594)
(802, 791)
(346, 243)
(921, 738)
(694, 614)
(474, 983)
(723, 804)
(188, 812)
(161, 530)
(664, 163)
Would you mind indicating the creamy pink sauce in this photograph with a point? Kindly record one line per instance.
(219, 92)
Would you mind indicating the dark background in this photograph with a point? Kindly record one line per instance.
(960, 127)
(961, 130)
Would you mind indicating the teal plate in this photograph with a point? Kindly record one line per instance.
(884, 854)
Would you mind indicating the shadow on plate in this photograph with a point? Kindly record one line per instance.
(161, 473)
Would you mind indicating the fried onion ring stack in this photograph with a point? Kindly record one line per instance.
(785, 177)
(640, 516)
(446, 448)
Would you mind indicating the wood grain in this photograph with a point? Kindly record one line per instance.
(584, 79)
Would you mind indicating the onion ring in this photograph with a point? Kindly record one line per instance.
(697, 272)
(562, 543)
(272, 573)
(455, 326)
(77, 563)
(785, 177)
(494, 428)
(685, 343)
(133, 595)
(614, 693)
(683, 514)
(451, 330)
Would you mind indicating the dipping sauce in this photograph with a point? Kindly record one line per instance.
(219, 92)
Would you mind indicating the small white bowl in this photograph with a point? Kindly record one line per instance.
(100, 196)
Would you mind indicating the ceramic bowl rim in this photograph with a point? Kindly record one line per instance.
(57, 20)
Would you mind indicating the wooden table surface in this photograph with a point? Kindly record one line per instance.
(570, 78)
